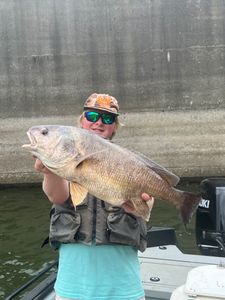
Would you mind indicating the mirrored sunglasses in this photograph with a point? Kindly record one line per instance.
(94, 116)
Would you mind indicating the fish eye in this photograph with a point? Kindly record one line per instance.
(44, 131)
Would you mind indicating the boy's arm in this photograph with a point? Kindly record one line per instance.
(55, 187)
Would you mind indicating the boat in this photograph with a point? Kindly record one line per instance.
(168, 273)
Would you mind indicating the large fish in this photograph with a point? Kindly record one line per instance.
(106, 170)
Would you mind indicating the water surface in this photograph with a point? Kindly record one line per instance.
(23, 226)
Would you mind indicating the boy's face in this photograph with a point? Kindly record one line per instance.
(104, 130)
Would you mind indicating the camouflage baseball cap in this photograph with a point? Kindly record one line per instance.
(103, 102)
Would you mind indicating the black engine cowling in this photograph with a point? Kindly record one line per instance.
(210, 217)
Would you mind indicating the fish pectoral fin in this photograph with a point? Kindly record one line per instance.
(78, 193)
(91, 156)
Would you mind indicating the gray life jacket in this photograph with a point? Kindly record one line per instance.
(96, 220)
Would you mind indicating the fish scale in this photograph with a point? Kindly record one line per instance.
(107, 171)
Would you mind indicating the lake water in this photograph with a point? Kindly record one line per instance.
(24, 223)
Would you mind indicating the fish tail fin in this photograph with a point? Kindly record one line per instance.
(188, 206)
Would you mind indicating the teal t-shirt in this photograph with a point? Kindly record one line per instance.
(103, 272)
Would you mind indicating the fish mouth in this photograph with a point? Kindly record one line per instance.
(33, 142)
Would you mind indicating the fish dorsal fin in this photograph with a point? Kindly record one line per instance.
(78, 193)
(171, 178)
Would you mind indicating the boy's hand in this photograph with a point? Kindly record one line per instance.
(39, 167)
(128, 205)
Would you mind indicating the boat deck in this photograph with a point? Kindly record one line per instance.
(165, 268)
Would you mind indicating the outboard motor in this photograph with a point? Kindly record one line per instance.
(210, 217)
